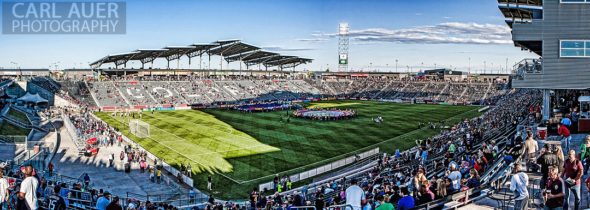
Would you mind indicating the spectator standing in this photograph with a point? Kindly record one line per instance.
(531, 147)
(575, 117)
(111, 159)
(554, 191)
(56, 202)
(452, 149)
(564, 132)
(455, 177)
(3, 190)
(209, 180)
(86, 180)
(159, 175)
(585, 153)
(419, 180)
(572, 173)
(546, 160)
(407, 201)
(28, 189)
(50, 168)
(319, 202)
(518, 184)
(560, 159)
(566, 121)
(103, 201)
(355, 195)
(114, 205)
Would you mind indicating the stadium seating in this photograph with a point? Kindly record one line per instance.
(161, 92)
(77, 90)
(106, 94)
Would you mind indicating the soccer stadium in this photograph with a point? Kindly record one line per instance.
(439, 111)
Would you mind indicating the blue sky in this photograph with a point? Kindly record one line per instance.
(419, 33)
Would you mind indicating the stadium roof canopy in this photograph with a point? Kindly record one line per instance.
(286, 61)
(147, 55)
(516, 13)
(117, 59)
(523, 12)
(258, 57)
(522, 2)
(230, 50)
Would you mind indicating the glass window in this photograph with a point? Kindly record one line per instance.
(575, 48)
(572, 52)
(573, 1)
(572, 44)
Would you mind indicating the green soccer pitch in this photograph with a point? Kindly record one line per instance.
(242, 150)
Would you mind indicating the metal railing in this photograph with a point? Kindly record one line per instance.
(342, 207)
(527, 66)
(303, 207)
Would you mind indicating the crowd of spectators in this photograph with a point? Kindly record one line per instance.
(453, 161)
(26, 188)
(174, 91)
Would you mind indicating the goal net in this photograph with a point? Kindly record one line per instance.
(139, 128)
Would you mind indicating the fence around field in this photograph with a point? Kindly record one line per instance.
(72, 132)
(323, 169)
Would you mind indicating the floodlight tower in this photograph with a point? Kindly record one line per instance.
(343, 47)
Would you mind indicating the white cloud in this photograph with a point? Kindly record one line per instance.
(316, 39)
(283, 49)
(443, 33)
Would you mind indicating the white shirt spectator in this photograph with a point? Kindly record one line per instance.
(531, 147)
(29, 188)
(519, 182)
(3, 188)
(354, 196)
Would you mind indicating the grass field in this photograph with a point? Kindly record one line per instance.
(11, 130)
(247, 146)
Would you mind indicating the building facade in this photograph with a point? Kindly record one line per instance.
(558, 31)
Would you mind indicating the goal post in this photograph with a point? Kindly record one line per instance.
(139, 128)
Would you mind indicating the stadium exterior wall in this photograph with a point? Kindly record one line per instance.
(561, 21)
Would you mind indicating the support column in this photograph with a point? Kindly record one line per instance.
(189, 62)
(546, 104)
(221, 62)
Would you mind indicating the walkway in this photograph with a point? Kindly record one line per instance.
(534, 179)
(68, 162)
